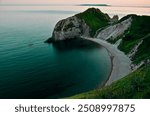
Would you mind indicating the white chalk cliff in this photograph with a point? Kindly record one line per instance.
(114, 31)
(69, 28)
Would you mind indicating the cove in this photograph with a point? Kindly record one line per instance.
(30, 68)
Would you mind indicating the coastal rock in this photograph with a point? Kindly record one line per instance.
(82, 24)
(132, 54)
(72, 27)
(114, 31)
(134, 50)
(115, 18)
(134, 67)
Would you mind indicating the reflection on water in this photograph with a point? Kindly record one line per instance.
(77, 43)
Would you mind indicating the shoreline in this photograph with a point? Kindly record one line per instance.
(111, 69)
(120, 63)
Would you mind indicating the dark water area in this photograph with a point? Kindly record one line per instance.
(30, 68)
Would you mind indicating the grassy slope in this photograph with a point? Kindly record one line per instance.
(135, 85)
(95, 19)
(140, 27)
(139, 30)
(143, 52)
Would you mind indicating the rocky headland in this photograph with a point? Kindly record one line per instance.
(127, 39)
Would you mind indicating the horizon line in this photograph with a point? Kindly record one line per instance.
(104, 5)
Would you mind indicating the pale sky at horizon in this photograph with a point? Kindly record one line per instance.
(110, 2)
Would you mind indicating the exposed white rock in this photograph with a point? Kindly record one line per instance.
(115, 18)
(118, 43)
(136, 66)
(144, 62)
(134, 50)
(114, 31)
(70, 28)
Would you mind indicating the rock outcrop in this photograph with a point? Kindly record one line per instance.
(114, 31)
(115, 18)
(72, 27)
(134, 50)
(82, 24)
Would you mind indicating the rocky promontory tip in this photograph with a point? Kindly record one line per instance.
(72, 27)
(82, 24)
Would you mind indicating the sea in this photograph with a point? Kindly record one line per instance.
(33, 69)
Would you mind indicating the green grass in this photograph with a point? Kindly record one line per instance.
(95, 19)
(134, 86)
(140, 27)
(143, 52)
(114, 40)
(127, 46)
(138, 31)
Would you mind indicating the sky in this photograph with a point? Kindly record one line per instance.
(110, 2)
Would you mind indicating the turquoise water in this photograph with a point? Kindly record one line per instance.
(30, 68)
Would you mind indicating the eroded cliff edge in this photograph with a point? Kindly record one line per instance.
(82, 24)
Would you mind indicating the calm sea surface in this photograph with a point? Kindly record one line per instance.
(30, 68)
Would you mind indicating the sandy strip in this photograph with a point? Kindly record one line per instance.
(120, 62)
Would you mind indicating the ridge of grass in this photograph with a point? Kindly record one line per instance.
(95, 19)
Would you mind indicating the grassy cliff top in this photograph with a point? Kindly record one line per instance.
(139, 30)
(94, 18)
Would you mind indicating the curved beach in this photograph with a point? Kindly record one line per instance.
(120, 62)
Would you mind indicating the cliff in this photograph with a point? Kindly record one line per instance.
(114, 31)
(128, 33)
(82, 24)
(69, 28)
(131, 34)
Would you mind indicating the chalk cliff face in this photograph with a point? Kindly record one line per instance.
(82, 24)
(72, 27)
(114, 31)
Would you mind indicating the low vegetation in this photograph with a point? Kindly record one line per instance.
(140, 28)
(95, 19)
(143, 52)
